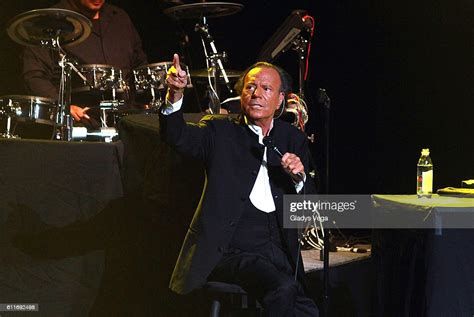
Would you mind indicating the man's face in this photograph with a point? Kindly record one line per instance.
(261, 95)
(92, 5)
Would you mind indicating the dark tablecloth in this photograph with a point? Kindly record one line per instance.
(423, 272)
(94, 229)
(168, 187)
(45, 185)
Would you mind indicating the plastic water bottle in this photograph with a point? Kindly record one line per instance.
(424, 175)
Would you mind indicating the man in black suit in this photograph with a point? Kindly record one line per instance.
(237, 235)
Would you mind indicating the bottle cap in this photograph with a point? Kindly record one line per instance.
(425, 152)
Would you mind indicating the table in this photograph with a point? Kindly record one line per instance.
(169, 187)
(437, 212)
(312, 262)
(94, 229)
(349, 281)
(424, 272)
(45, 185)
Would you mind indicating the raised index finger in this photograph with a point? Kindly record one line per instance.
(176, 64)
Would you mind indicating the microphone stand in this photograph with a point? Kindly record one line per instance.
(326, 101)
(300, 44)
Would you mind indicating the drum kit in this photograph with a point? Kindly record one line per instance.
(58, 28)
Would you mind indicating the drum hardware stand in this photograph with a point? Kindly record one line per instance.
(105, 106)
(107, 134)
(9, 111)
(215, 67)
(156, 99)
(113, 104)
(118, 83)
(44, 28)
(155, 103)
(64, 120)
(63, 117)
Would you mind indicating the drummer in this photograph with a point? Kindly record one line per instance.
(113, 41)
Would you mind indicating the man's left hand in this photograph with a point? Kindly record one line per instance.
(292, 164)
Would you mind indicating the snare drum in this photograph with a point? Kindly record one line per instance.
(30, 108)
(32, 117)
(152, 76)
(101, 77)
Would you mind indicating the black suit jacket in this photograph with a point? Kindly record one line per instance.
(232, 157)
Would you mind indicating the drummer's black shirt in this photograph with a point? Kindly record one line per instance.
(113, 41)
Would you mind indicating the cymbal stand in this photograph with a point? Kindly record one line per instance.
(214, 65)
(63, 117)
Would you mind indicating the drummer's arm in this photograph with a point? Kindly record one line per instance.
(38, 69)
(139, 56)
(79, 113)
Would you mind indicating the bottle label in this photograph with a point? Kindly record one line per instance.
(427, 183)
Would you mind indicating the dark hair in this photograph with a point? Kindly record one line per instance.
(285, 78)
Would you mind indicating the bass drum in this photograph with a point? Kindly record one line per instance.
(32, 117)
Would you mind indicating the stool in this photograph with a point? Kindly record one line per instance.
(218, 290)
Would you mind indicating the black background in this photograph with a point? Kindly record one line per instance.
(399, 74)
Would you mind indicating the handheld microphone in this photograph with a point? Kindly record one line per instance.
(268, 142)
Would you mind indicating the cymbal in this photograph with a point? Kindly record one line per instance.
(205, 9)
(202, 74)
(42, 27)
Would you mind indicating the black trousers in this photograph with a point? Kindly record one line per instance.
(266, 274)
